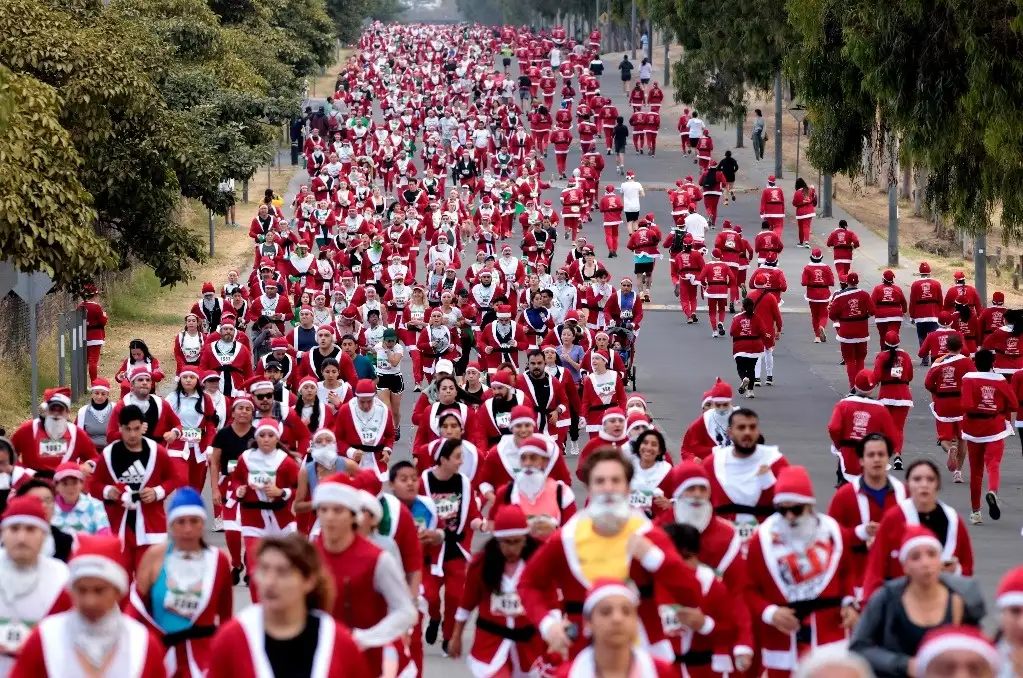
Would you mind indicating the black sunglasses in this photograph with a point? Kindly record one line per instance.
(263, 396)
(796, 510)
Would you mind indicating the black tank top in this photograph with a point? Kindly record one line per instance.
(910, 634)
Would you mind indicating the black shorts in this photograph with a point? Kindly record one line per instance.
(632, 216)
(693, 141)
(626, 78)
(644, 81)
(394, 383)
(506, 61)
(620, 148)
(643, 267)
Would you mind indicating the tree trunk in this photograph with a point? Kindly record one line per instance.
(907, 177)
(869, 177)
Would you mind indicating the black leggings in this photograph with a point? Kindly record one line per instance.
(746, 367)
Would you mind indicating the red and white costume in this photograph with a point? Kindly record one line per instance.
(739, 493)
(37, 451)
(371, 432)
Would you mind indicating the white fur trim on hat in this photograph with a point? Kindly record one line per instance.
(184, 511)
(691, 482)
(504, 316)
(100, 387)
(61, 399)
(1009, 599)
(371, 504)
(268, 427)
(101, 567)
(522, 420)
(513, 532)
(25, 520)
(609, 415)
(793, 498)
(913, 542)
(68, 473)
(535, 449)
(602, 593)
(260, 385)
(341, 494)
(931, 649)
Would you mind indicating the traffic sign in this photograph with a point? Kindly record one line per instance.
(8, 277)
(32, 287)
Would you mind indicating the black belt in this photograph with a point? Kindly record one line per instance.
(980, 415)
(848, 442)
(94, 327)
(521, 635)
(573, 607)
(275, 505)
(191, 633)
(852, 319)
(859, 548)
(759, 511)
(955, 394)
(752, 337)
(695, 658)
(819, 287)
(601, 407)
(893, 382)
(888, 303)
(368, 448)
(804, 608)
(646, 591)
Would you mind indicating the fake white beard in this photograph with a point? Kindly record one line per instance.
(721, 419)
(530, 481)
(803, 533)
(324, 455)
(695, 513)
(17, 580)
(55, 427)
(141, 404)
(609, 511)
(95, 640)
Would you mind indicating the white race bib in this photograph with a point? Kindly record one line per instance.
(182, 603)
(53, 448)
(508, 604)
(669, 619)
(746, 526)
(261, 478)
(191, 435)
(897, 372)
(13, 632)
(448, 507)
(641, 499)
(503, 420)
(231, 466)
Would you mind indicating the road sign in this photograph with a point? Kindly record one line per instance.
(32, 287)
(8, 277)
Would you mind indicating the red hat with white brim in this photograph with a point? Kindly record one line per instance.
(338, 490)
(510, 521)
(603, 589)
(99, 558)
(914, 536)
(25, 510)
(793, 486)
(955, 638)
(688, 474)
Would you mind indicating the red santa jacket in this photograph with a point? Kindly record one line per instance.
(818, 279)
(744, 497)
(1006, 345)
(601, 305)
(717, 278)
(883, 556)
(717, 636)
(373, 435)
(767, 311)
(894, 372)
(502, 464)
(969, 294)
(815, 582)
(944, 381)
(703, 435)
(767, 242)
(95, 323)
(467, 511)
(601, 392)
(36, 451)
(747, 334)
(936, 343)
(842, 242)
(772, 203)
(925, 300)
(988, 403)
(258, 514)
(158, 473)
(889, 303)
(852, 309)
(556, 404)
(853, 419)
(166, 419)
(234, 366)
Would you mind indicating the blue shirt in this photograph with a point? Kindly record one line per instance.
(364, 367)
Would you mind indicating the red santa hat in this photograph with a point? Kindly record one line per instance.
(58, 396)
(136, 372)
(457, 415)
(771, 258)
(349, 313)
(227, 320)
(960, 278)
(369, 487)
(853, 278)
(521, 414)
(506, 249)
(210, 375)
(267, 424)
(635, 419)
(715, 253)
(329, 329)
(630, 174)
(793, 486)
(1010, 590)
(997, 299)
(100, 384)
(68, 469)
(605, 588)
(760, 280)
(721, 392)
(308, 379)
(816, 255)
(688, 474)
(510, 521)
(243, 398)
(613, 413)
(864, 381)
(365, 388)
(279, 343)
(504, 312)
(609, 189)
(633, 398)
(955, 638)
(100, 558)
(944, 318)
(208, 288)
(194, 371)
(535, 445)
(549, 347)
(340, 490)
(26, 510)
(473, 365)
(259, 383)
(771, 179)
(891, 338)
(500, 379)
(914, 536)
(602, 355)
(888, 277)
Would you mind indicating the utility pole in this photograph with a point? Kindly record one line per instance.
(632, 38)
(778, 168)
(893, 224)
(980, 266)
(826, 188)
(667, 61)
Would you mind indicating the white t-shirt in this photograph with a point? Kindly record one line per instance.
(383, 364)
(481, 137)
(695, 127)
(696, 226)
(555, 57)
(630, 195)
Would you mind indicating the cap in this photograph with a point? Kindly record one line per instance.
(279, 344)
(613, 413)
(208, 288)
(68, 469)
(853, 278)
(139, 371)
(1010, 590)
(816, 254)
(444, 366)
(510, 521)
(864, 381)
(60, 396)
(186, 502)
(925, 268)
(793, 485)
(944, 318)
(504, 312)
(771, 179)
(500, 379)
(888, 277)
(338, 489)
(997, 298)
(101, 558)
(268, 425)
(914, 536)
(535, 445)
(260, 383)
(100, 384)
(522, 414)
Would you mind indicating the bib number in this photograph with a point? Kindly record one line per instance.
(508, 604)
(669, 619)
(181, 603)
(897, 372)
(641, 499)
(12, 634)
(447, 508)
(261, 478)
(53, 448)
(231, 466)
(191, 435)
(746, 527)
(503, 420)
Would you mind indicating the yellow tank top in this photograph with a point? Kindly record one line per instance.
(605, 557)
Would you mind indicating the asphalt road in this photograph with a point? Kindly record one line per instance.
(678, 362)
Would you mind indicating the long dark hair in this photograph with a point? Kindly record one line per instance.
(494, 561)
(893, 354)
(179, 391)
(800, 184)
(304, 557)
(1015, 319)
(651, 433)
(140, 345)
(964, 311)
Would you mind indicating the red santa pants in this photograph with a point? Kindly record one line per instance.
(415, 647)
(884, 328)
(191, 472)
(818, 315)
(611, 237)
(804, 228)
(559, 160)
(92, 353)
(710, 204)
(638, 137)
(453, 582)
(854, 355)
(899, 415)
(651, 140)
(251, 547)
(133, 551)
(572, 224)
(542, 141)
(417, 366)
(548, 101)
(842, 268)
(981, 456)
(609, 136)
(777, 224)
(687, 297)
(716, 309)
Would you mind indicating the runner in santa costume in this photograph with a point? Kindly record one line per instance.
(800, 582)
(262, 640)
(182, 589)
(893, 370)
(957, 650)
(944, 381)
(924, 304)
(602, 390)
(613, 617)
(495, 414)
(890, 305)
(506, 643)
(851, 309)
(372, 597)
(163, 425)
(710, 429)
(547, 503)
(772, 206)
(228, 445)
(720, 548)
(199, 422)
(365, 429)
(859, 505)
(989, 407)
(93, 640)
(923, 480)
(818, 279)
(46, 442)
(264, 484)
(501, 340)
(743, 474)
(606, 539)
(502, 463)
(450, 546)
(1009, 600)
(612, 433)
(228, 356)
(855, 417)
(33, 585)
(133, 478)
(95, 327)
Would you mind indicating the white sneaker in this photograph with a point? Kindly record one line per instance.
(957, 477)
(975, 518)
(218, 524)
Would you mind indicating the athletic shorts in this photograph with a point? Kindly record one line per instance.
(626, 78)
(632, 216)
(693, 141)
(619, 148)
(644, 81)
(506, 61)
(394, 383)
(643, 267)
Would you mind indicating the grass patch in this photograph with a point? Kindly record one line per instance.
(16, 381)
(323, 86)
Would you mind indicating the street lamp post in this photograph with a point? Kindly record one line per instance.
(632, 38)
(798, 112)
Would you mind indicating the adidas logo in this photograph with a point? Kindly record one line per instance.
(134, 474)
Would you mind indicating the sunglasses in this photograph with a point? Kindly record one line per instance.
(263, 396)
(796, 510)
